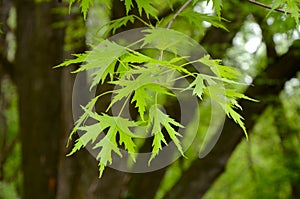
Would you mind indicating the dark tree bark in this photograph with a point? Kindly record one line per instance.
(39, 48)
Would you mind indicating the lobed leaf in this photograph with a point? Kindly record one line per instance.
(159, 119)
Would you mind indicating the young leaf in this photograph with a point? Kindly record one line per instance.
(88, 108)
(102, 59)
(140, 96)
(159, 119)
(85, 5)
(108, 144)
(199, 85)
(79, 58)
(231, 113)
(196, 19)
(117, 23)
(217, 6)
(147, 7)
(292, 7)
(128, 5)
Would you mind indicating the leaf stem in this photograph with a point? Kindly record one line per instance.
(123, 106)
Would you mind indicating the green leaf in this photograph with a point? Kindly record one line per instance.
(196, 19)
(78, 145)
(85, 5)
(217, 6)
(292, 7)
(92, 132)
(118, 23)
(88, 108)
(198, 85)
(147, 7)
(289, 5)
(108, 144)
(157, 145)
(140, 96)
(231, 113)
(79, 58)
(159, 119)
(219, 69)
(102, 59)
(128, 5)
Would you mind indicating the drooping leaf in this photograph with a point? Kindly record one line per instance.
(108, 144)
(147, 7)
(88, 108)
(102, 60)
(198, 85)
(292, 7)
(140, 96)
(196, 19)
(113, 25)
(128, 5)
(159, 119)
(79, 58)
(236, 117)
(217, 4)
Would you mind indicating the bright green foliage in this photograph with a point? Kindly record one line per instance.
(79, 58)
(215, 87)
(158, 119)
(84, 5)
(115, 125)
(147, 78)
(290, 7)
(128, 5)
(217, 6)
(145, 5)
(196, 19)
(116, 24)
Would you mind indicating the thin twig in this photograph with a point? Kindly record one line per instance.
(172, 21)
(177, 13)
(267, 6)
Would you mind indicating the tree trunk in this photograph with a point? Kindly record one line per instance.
(39, 48)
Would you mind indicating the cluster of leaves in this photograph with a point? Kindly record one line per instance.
(289, 6)
(146, 78)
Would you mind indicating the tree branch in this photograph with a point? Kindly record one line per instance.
(267, 6)
(177, 13)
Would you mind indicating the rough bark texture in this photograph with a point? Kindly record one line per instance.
(40, 47)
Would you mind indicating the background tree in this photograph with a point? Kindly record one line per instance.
(45, 113)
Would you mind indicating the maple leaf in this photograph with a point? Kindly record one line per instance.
(159, 119)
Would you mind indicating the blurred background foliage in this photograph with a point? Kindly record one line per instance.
(265, 166)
